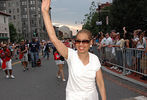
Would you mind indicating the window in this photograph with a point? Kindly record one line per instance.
(4, 19)
(9, 4)
(17, 10)
(6, 35)
(32, 22)
(10, 18)
(5, 11)
(32, 2)
(14, 17)
(33, 8)
(2, 34)
(25, 9)
(17, 4)
(38, 15)
(10, 11)
(39, 9)
(13, 4)
(18, 16)
(13, 10)
(24, 3)
(4, 5)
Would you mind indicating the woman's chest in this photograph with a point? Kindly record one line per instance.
(79, 70)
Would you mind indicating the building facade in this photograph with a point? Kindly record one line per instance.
(4, 27)
(26, 17)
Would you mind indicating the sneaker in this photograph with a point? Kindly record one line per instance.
(112, 67)
(12, 76)
(120, 71)
(63, 80)
(115, 68)
(128, 73)
(7, 76)
(24, 69)
(58, 76)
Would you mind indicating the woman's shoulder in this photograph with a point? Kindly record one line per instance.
(70, 50)
(93, 56)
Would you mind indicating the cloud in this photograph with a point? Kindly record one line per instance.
(70, 11)
(73, 28)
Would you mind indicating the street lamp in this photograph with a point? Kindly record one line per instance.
(99, 22)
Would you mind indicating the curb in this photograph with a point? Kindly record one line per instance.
(124, 77)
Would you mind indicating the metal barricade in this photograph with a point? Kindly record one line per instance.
(126, 59)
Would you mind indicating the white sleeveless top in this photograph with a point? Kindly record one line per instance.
(81, 83)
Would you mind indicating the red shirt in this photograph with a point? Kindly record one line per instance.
(2, 54)
(8, 54)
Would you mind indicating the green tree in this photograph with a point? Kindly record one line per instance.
(13, 33)
(129, 13)
(89, 21)
(93, 17)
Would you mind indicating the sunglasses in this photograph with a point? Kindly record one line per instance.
(83, 41)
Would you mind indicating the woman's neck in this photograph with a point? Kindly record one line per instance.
(83, 55)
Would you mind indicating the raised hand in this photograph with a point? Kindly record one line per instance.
(45, 5)
(124, 28)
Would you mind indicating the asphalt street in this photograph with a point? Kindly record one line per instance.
(40, 83)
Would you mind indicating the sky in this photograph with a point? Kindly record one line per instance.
(71, 12)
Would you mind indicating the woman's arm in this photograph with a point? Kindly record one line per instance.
(62, 49)
(100, 83)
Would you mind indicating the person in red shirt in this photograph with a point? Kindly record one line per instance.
(59, 60)
(6, 61)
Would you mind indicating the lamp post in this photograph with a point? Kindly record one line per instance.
(99, 22)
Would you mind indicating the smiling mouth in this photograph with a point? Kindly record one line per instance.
(81, 48)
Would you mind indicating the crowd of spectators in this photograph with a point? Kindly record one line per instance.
(133, 45)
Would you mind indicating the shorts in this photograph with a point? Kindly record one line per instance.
(25, 57)
(8, 65)
(59, 62)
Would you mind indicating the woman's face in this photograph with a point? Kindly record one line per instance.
(82, 43)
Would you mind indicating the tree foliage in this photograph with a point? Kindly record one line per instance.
(90, 19)
(129, 13)
(13, 33)
(94, 16)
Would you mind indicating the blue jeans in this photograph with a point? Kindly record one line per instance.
(129, 55)
(46, 53)
(119, 56)
(34, 58)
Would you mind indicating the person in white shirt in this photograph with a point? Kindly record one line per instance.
(83, 66)
(101, 48)
(103, 41)
(108, 49)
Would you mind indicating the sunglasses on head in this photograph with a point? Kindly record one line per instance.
(83, 41)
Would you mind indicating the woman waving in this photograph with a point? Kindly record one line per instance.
(83, 66)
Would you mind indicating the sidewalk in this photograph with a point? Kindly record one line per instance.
(132, 78)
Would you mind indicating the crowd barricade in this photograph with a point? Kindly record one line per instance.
(125, 59)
